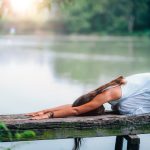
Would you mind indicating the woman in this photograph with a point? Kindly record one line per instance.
(129, 96)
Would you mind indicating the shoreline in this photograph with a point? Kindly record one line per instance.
(76, 37)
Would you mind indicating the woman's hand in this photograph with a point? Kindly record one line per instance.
(43, 116)
(38, 113)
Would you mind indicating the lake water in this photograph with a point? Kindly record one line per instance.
(38, 72)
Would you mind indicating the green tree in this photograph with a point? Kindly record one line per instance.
(112, 16)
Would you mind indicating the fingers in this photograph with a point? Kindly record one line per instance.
(34, 118)
(35, 114)
(40, 117)
(31, 114)
(28, 114)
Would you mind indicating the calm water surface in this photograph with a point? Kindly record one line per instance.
(42, 72)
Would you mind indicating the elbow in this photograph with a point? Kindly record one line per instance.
(75, 111)
(78, 110)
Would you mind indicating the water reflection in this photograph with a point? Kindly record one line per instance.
(95, 62)
(41, 72)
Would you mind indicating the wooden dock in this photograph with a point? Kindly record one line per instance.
(20, 128)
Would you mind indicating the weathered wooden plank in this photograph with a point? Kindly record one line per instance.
(71, 127)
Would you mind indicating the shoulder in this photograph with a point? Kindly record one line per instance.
(113, 93)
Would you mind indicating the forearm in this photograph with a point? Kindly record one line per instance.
(75, 111)
(70, 111)
(57, 108)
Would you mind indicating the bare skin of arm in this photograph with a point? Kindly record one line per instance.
(68, 110)
(49, 110)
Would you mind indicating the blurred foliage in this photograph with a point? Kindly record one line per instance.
(98, 16)
(25, 135)
(44, 4)
(111, 16)
(5, 132)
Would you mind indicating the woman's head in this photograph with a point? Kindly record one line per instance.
(85, 99)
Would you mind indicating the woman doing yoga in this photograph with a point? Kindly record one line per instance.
(129, 96)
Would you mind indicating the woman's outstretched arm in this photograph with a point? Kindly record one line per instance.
(41, 112)
(100, 99)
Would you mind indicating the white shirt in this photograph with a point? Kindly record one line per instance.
(135, 97)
